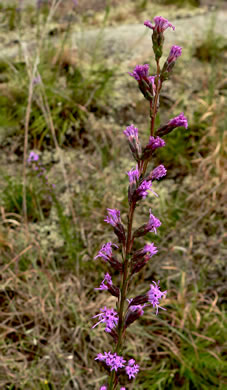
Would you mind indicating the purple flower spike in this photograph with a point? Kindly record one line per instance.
(140, 72)
(155, 142)
(132, 369)
(178, 121)
(131, 132)
(154, 295)
(113, 217)
(32, 157)
(107, 279)
(108, 317)
(112, 360)
(175, 52)
(161, 24)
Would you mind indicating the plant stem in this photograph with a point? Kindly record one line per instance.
(153, 111)
(124, 289)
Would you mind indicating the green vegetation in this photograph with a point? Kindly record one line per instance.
(47, 270)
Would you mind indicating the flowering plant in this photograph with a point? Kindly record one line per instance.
(128, 309)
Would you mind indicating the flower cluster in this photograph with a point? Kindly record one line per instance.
(116, 362)
(129, 309)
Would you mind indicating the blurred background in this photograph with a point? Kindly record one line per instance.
(66, 95)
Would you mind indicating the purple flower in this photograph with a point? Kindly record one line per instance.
(142, 190)
(131, 132)
(113, 217)
(175, 52)
(152, 224)
(178, 121)
(161, 24)
(32, 157)
(149, 250)
(112, 360)
(140, 72)
(106, 251)
(132, 369)
(107, 279)
(155, 142)
(154, 295)
(108, 317)
(103, 388)
(133, 175)
(158, 172)
(151, 80)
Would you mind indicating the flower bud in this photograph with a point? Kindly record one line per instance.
(133, 313)
(178, 121)
(131, 133)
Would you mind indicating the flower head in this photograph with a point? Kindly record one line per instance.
(132, 369)
(131, 132)
(106, 251)
(133, 175)
(108, 317)
(142, 190)
(103, 388)
(178, 121)
(161, 24)
(154, 295)
(175, 52)
(140, 72)
(153, 224)
(155, 142)
(112, 360)
(107, 279)
(158, 172)
(113, 217)
(32, 157)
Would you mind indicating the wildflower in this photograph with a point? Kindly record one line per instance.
(142, 190)
(154, 295)
(153, 224)
(103, 388)
(152, 83)
(107, 279)
(131, 133)
(107, 284)
(175, 52)
(132, 369)
(158, 172)
(112, 360)
(155, 142)
(108, 317)
(36, 80)
(32, 157)
(140, 72)
(178, 121)
(161, 24)
(148, 250)
(106, 251)
(133, 175)
(114, 219)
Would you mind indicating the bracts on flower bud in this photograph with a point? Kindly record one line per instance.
(131, 133)
(114, 219)
(134, 312)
